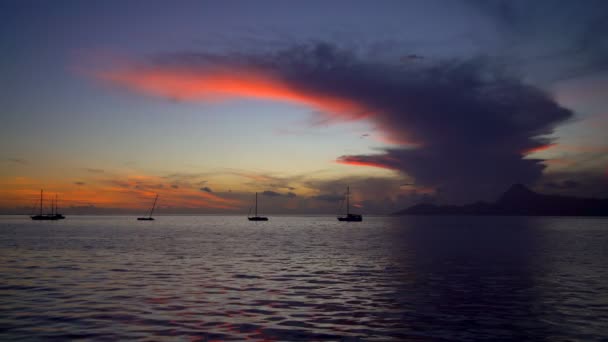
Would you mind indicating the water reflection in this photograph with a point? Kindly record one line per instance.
(469, 277)
(300, 278)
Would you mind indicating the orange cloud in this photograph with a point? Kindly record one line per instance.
(359, 161)
(220, 82)
(538, 149)
(223, 83)
(127, 192)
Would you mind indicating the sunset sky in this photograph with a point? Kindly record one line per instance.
(206, 102)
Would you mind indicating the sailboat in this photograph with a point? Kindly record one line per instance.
(41, 216)
(149, 218)
(349, 216)
(56, 213)
(256, 217)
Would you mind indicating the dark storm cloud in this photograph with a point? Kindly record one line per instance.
(469, 121)
(462, 127)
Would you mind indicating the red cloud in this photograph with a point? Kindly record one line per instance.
(383, 162)
(221, 83)
(538, 149)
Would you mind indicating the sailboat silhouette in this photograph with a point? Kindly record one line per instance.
(349, 216)
(47, 217)
(256, 217)
(149, 218)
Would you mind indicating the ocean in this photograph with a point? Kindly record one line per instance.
(304, 278)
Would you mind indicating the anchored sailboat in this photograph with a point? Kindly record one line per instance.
(349, 216)
(45, 217)
(56, 211)
(149, 218)
(256, 217)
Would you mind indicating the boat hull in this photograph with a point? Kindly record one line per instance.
(44, 218)
(257, 218)
(145, 219)
(350, 218)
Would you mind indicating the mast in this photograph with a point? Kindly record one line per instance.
(153, 205)
(347, 196)
(40, 201)
(256, 204)
(56, 204)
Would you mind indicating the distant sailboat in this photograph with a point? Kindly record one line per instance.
(44, 217)
(149, 218)
(56, 211)
(349, 217)
(256, 217)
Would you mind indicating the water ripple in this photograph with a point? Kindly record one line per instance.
(304, 279)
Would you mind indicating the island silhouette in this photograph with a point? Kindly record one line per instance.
(518, 200)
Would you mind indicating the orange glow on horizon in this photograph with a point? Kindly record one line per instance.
(134, 193)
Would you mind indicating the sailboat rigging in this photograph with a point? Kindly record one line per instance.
(46, 217)
(350, 217)
(56, 213)
(256, 217)
(149, 217)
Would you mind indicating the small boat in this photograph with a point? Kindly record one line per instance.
(256, 217)
(149, 217)
(349, 216)
(45, 217)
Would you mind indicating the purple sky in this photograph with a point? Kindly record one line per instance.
(208, 102)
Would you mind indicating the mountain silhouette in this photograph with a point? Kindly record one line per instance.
(519, 200)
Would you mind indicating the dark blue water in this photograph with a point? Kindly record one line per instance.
(304, 278)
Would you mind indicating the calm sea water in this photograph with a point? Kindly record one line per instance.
(304, 278)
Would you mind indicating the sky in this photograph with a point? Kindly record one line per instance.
(106, 104)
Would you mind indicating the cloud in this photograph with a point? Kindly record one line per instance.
(376, 194)
(411, 58)
(189, 197)
(579, 184)
(17, 161)
(175, 186)
(329, 197)
(79, 183)
(462, 127)
(567, 184)
(206, 189)
(271, 193)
